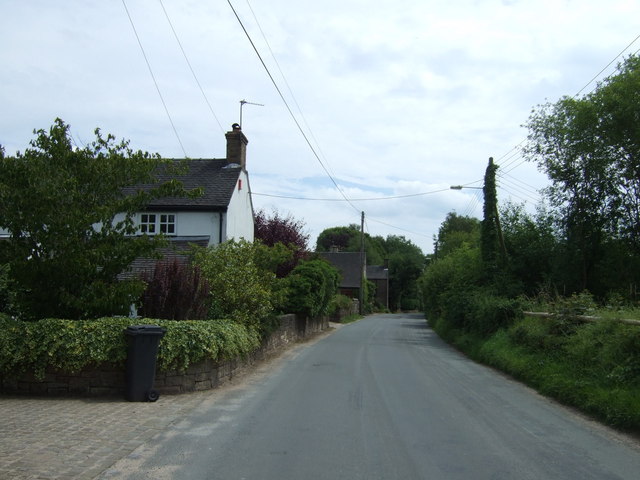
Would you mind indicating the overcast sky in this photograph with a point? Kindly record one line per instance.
(397, 97)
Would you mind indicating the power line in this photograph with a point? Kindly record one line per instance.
(289, 108)
(397, 228)
(353, 199)
(608, 65)
(286, 82)
(184, 54)
(154, 79)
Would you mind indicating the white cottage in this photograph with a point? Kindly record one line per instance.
(224, 211)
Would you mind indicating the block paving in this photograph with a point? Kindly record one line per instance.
(76, 438)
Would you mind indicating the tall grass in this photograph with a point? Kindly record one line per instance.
(594, 367)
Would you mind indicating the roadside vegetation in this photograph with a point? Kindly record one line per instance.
(63, 301)
(577, 255)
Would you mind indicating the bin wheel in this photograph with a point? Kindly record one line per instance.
(152, 395)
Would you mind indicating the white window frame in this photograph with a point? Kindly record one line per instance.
(155, 223)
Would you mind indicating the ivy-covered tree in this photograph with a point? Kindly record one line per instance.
(67, 243)
(489, 231)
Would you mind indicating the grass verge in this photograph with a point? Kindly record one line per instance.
(592, 367)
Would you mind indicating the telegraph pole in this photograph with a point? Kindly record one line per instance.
(362, 266)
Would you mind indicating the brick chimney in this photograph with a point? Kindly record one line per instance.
(237, 146)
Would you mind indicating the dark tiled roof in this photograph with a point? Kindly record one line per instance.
(215, 176)
(179, 247)
(377, 272)
(349, 265)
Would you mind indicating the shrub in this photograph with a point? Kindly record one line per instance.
(312, 284)
(489, 313)
(448, 284)
(4, 288)
(176, 291)
(71, 345)
(339, 302)
(241, 287)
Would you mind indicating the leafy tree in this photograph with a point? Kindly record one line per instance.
(532, 248)
(590, 149)
(275, 229)
(60, 204)
(406, 262)
(456, 231)
(347, 239)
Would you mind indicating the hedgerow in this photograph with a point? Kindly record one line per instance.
(71, 345)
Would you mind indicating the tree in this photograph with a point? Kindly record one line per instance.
(490, 234)
(71, 225)
(406, 263)
(288, 231)
(532, 247)
(590, 149)
(456, 231)
(347, 239)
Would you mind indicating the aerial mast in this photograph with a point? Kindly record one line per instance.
(242, 104)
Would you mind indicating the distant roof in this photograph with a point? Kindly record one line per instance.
(178, 248)
(214, 175)
(377, 272)
(349, 265)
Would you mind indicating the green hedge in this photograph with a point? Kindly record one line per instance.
(71, 345)
(312, 285)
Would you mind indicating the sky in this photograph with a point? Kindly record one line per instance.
(374, 106)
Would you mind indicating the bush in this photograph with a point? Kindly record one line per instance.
(448, 285)
(175, 291)
(71, 345)
(241, 287)
(312, 284)
(490, 313)
(339, 303)
(4, 288)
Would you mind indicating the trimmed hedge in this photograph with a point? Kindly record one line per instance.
(71, 345)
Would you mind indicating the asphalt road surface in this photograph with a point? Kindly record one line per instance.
(383, 398)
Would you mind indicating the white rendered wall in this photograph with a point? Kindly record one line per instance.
(239, 219)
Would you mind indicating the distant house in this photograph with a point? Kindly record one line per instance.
(379, 275)
(224, 211)
(350, 266)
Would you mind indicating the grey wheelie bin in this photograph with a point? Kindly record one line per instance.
(142, 349)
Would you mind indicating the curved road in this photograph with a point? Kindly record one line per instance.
(383, 398)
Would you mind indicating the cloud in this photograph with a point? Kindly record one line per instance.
(396, 96)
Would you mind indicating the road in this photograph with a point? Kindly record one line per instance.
(383, 398)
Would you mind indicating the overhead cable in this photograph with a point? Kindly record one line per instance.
(289, 108)
(195, 77)
(155, 82)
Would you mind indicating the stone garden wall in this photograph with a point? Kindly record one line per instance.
(107, 380)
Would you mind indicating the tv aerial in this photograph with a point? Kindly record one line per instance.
(242, 104)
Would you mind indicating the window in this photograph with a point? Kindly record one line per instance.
(168, 224)
(153, 223)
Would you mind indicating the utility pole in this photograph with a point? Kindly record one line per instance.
(362, 266)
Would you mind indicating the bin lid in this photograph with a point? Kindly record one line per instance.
(145, 330)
